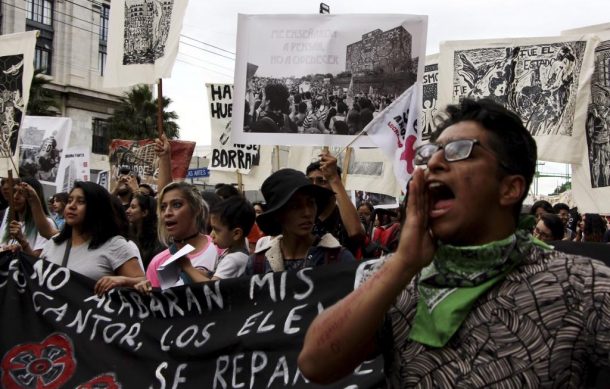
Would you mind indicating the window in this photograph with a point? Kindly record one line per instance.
(40, 11)
(100, 141)
(101, 60)
(104, 18)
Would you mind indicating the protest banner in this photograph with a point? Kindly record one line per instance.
(140, 158)
(369, 169)
(74, 166)
(16, 72)
(234, 333)
(227, 156)
(42, 142)
(304, 65)
(544, 80)
(591, 177)
(143, 40)
(251, 181)
(430, 108)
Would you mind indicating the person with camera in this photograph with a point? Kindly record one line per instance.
(127, 184)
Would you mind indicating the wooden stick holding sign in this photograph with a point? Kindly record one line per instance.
(160, 107)
(351, 142)
(11, 200)
(240, 183)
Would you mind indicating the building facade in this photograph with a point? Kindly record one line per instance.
(71, 48)
(381, 51)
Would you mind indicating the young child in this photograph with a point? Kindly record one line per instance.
(231, 221)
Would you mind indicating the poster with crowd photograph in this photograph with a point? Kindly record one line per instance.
(591, 177)
(143, 39)
(16, 71)
(430, 107)
(544, 80)
(320, 79)
(244, 332)
(367, 168)
(226, 155)
(138, 157)
(42, 142)
(74, 166)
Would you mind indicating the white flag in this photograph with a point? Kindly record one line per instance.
(143, 40)
(395, 131)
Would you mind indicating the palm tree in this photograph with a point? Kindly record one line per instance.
(41, 98)
(136, 117)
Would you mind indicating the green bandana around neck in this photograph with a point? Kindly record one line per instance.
(456, 278)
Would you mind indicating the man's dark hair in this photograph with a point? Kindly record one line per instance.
(316, 166)
(561, 206)
(61, 197)
(510, 141)
(149, 188)
(224, 191)
(277, 94)
(235, 212)
(548, 208)
(554, 223)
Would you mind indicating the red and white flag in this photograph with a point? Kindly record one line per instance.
(395, 131)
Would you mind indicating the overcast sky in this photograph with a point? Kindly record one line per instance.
(215, 23)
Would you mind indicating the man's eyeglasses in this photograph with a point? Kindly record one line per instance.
(538, 233)
(455, 150)
(319, 180)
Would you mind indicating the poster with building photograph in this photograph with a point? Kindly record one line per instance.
(143, 39)
(368, 169)
(74, 166)
(138, 157)
(16, 71)
(226, 155)
(591, 177)
(320, 79)
(430, 107)
(544, 80)
(42, 142)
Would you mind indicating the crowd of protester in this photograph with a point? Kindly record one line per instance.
(121, 238)
(323, 108)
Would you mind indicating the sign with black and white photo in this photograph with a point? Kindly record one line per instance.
(143, 39)
(226, 155)
(543, 80)
(430, 108)
(320, 79)
(16, 72)
(42, 142)
(234, 333)
(74, 166)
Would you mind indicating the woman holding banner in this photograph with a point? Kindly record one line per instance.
(89, 243)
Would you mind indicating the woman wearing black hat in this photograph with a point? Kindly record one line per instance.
(292, 207)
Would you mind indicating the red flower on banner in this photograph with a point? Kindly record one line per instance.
(408, 153)
(104, 381)
(47, 365)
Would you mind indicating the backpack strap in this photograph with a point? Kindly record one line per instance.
(258, 266)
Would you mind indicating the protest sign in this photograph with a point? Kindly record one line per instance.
(227, 156)
(140, 158)
(235, 333)
(143, 40)
(368, 170)
(430, 108)
(591, 177)
(74, 166)
(42, 142)
(303, 65)
(544, 80)
(254, 179)
(16, 72)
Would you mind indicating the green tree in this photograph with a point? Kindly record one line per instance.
(563, 187)
(136, 117)
(42, 101)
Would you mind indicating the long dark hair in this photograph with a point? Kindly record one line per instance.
(100, 218)
(145, 234)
